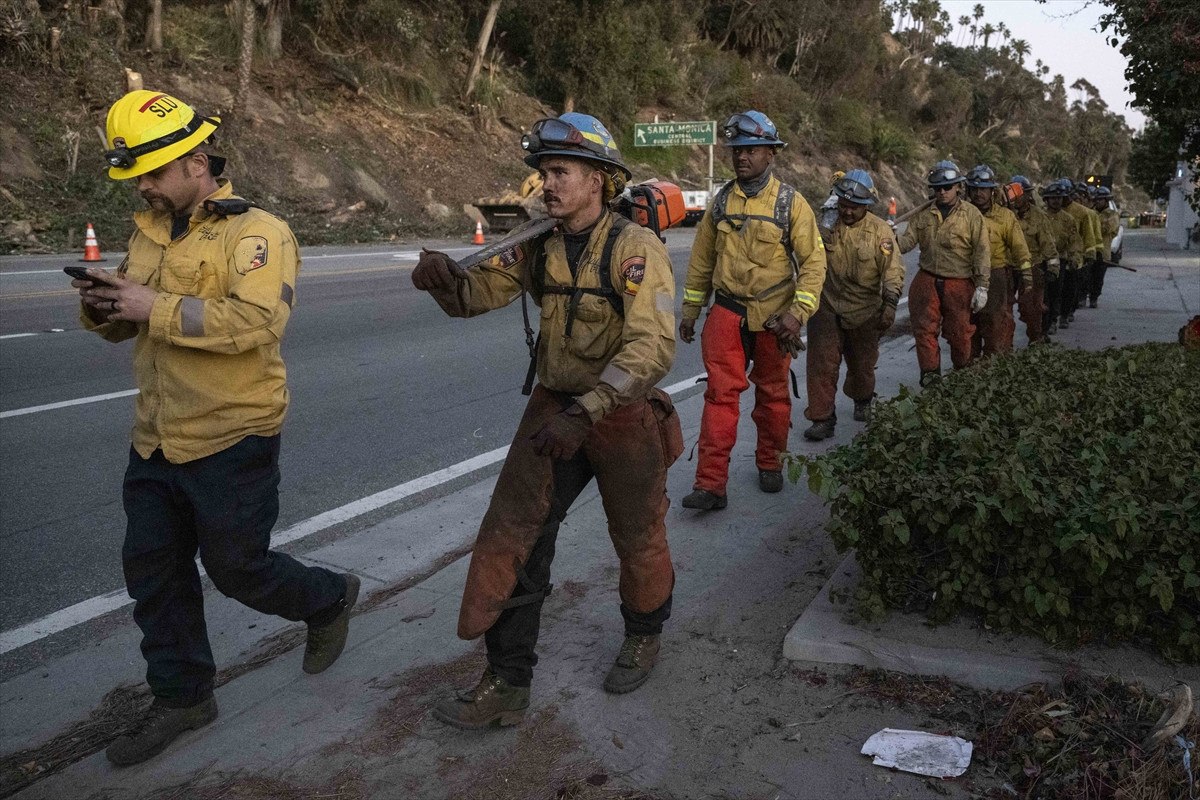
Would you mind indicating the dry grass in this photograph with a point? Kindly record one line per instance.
(117, 712)
(420, 689)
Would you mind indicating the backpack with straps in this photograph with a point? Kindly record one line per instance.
(537, 280)
(782, 217)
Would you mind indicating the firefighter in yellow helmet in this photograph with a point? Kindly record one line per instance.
(607, 299)
(205, 293)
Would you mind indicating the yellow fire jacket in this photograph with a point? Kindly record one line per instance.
(744, 257)
(1038, 235)
(1067, 240)
(1110, 224)
(604, 358)
(864, 266)
(207, 364)
(954, 247)
(1006, 240)
(1089, 229)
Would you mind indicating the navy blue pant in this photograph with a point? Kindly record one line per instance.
(224, 507)
(512, 640)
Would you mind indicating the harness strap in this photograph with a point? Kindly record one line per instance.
(747, 338)
(533, 594)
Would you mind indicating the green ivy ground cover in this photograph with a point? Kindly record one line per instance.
(1052, 491)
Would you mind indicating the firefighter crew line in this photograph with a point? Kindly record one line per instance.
(210, 283)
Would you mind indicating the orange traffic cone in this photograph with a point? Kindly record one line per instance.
(478, 234)
(91, 248)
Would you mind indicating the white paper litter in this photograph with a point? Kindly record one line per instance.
(920, 752)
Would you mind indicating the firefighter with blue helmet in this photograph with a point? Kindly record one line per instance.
(863, 281)
(607, 298)
(758, 252)
(954, 271)
(1010, 261)
(1035, 224)
(1068, 241)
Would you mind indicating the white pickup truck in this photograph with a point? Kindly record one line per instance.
(694, 204)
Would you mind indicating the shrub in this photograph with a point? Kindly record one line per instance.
(891, 144)
(1054, 492)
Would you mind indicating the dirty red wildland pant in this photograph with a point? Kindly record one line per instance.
(941, 304)
(994, 332)
(828, 344)
(1032, 305)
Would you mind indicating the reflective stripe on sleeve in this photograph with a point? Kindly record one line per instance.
(806, 299)
(693, 296)
(191, 316)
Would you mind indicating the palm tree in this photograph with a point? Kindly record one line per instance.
(986, 32)
(1020, 48)
(978, 11)
(963, 22)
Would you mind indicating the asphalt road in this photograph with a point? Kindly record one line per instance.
(385, 389)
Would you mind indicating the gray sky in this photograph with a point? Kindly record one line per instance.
(1069, 43)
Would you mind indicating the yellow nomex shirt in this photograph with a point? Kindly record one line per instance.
(207, 365)
(744, 256)
(954, 247)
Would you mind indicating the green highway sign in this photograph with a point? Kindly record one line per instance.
(669, 134)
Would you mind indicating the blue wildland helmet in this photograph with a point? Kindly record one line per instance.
(1025, 183)
(750, 128)
(575, 135)
(857, 187)
(945, 173)
(981, 176)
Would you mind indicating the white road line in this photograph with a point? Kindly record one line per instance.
(93, 607)
(16, 335)
(17, 412)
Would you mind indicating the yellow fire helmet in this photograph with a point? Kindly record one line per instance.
(149, 129)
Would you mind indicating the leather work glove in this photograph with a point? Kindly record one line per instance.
(687, 330)
(563, 434)
(787, 332)
(1026, 282)
(887, 315)
(436, 272)
(979, 299)
(1052, 267)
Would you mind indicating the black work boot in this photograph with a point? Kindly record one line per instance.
(158, 727)
(821, 429)
(1065, 322)
(862, 409)
(1052, 328)
(492, 700)
(704, 500)
(634, 663)
(326, 641)
(770, 480)
(929, 377)
(1093, 302)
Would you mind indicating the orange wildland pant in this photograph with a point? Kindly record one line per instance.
(725, 360)
(828, 343)
(941, 304)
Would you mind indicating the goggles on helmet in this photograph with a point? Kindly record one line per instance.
(553, 132)
(745, 124)
(124, 157)
(943, 176)
(853, 190)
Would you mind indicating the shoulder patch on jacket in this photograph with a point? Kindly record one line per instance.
(511, 256)
(250, 254)
(633, 270)
(886, 246)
